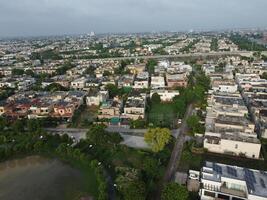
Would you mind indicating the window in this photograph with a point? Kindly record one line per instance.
(209, 194)
(235, 198)
(236, 146)
(222, 196)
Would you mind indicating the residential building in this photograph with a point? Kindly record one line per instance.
(220, 181)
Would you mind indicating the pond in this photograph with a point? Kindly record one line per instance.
(39, 178)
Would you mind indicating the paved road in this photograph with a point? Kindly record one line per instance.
(226, 53)
(177, 152)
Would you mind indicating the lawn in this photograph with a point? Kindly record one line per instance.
(162, 115)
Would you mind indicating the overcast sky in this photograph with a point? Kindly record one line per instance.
(49, 17)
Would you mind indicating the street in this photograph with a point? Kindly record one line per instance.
(176, 153)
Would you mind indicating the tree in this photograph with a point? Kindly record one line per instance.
(3, 123)
(17, 71)
(150, 65)
(113, 90)
(29, 72)
(96, 134)
(150, 167)
(107, 73)
(174, 191)
(155, 98)
(53, 87)
(264, 76)
(18, 126)
(157, 138)
(135, 190)
(129, 183)
(193, 123)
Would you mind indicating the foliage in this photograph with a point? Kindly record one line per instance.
(113, 90)
(129, 184)
(174, 191)
(66, 66)
(6, 92)
(53, 87)
(194, 124)
(139, 123)
(29, 72)
(245, 43)
(157, 138)
(98, 136)
(17, 72)
(45, 55)
(155, 98)
(150, 65)
(32, 141)
(264, 75)
(214, 44)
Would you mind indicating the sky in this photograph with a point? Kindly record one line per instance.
(56, 17)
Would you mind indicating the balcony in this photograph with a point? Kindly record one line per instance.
(233, 192)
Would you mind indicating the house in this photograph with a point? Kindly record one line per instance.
(63, 109)
(26, 83)
(136, 68)
(141, 80)
(135, 107)
(126, 81)
(110, 109)
(96, 98)
(232, 143)
(165, 95)
(157, 82)
(40, 110)
(220, 181)
(228, 86)
(79, 83)
(176, 80)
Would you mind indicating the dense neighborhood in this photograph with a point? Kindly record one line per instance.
(153, 116)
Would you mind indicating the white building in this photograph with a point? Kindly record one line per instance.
(165, 95)
(79, 83)
(141, 80)
(232, 143)
(97, 98)
(157, 82)
(220, 181)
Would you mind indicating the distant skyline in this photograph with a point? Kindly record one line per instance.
(57, 17)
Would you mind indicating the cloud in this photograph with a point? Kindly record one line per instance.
(43, 17)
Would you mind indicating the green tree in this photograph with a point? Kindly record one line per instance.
(113, 90)
(155, 99)
(264, 76)
(150, 65)
(193, 123)
(97, 134)
(18, 72)
(174, 191)
(18, 126)
(157, 138)
(134, 190)
(53, 87)
(29, 72)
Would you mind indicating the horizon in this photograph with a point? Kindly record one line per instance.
(48, 18)
(261, 29)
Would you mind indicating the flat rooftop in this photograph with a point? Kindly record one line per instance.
(255, 180)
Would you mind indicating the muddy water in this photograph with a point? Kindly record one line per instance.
(38, 178)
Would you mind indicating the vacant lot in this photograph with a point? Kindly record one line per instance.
(162, 115)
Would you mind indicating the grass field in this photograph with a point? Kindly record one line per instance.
(162, 115)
